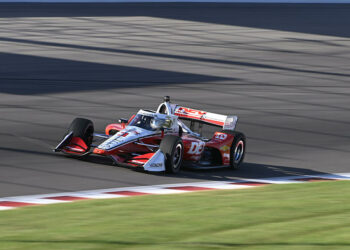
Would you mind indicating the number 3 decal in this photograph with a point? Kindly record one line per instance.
(196, 148)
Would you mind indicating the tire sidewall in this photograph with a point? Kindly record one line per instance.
(175, 169)
(82, 128)
(169, 146)
(239, 139)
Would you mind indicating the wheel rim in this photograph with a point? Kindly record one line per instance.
(239, 151)
(177, 156)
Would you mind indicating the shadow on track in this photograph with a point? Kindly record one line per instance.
(129, 82)
(323, 19)
(247, 170)
(59, 75)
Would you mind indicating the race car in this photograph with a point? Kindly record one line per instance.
(161, 140)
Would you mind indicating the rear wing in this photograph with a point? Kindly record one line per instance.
(224, 121)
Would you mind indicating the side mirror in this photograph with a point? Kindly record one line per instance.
(167, 123)
(123, 120)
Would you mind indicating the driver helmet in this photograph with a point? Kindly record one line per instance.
(158, 123)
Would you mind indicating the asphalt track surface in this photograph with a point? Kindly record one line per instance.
(283, 69)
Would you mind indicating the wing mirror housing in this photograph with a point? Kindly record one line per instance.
(123, 120)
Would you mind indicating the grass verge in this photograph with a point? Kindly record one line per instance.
(293, 216)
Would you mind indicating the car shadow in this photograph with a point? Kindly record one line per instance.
(246, 170)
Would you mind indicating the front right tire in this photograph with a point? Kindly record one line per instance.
(173, 149)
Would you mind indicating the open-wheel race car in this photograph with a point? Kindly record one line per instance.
(160, 140)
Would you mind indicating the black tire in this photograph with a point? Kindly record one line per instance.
(82, 128)
(238, 149)
(173, 149)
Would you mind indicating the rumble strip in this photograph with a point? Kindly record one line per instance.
(30, 200)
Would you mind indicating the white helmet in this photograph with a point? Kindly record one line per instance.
(158, 123)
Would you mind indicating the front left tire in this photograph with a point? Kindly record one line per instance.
(82, 128)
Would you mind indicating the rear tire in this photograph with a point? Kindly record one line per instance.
(173, 149)
(82, 128)
(238, 149)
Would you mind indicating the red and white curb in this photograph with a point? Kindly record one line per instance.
(30, 200)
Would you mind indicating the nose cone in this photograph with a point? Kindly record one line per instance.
(127, 135)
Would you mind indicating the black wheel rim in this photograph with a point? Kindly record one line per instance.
(177, 156)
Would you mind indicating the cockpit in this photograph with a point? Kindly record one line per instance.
(151, 121)
(142, 121)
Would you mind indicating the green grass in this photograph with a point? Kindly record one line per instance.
(293, 216)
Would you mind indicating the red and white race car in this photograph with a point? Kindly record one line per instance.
(160, 140)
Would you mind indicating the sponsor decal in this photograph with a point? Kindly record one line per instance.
(156, 165)
(225, 148)
(189, 112)
(196, 148)
(226, 158)
(220, 136)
